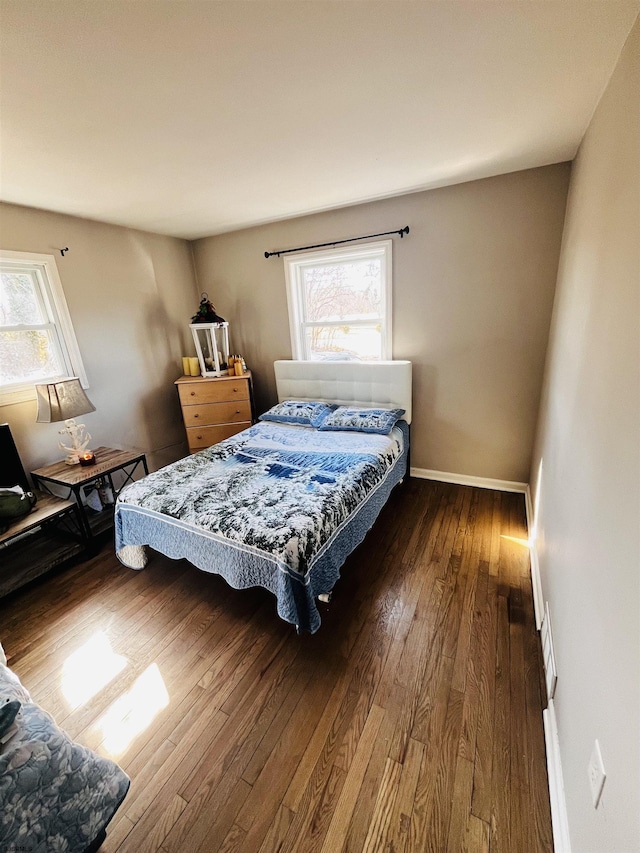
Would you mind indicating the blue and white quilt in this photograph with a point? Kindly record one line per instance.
(56, 796)
(280, 506)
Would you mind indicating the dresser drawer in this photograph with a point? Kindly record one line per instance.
(203, 414)
(201, 437)
(213, 392)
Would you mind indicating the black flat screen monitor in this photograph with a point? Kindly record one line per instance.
(11, 470)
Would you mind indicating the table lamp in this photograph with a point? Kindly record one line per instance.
(65, 400)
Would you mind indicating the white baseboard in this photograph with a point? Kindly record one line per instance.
(559, 820)
(536, 582)
(467, 480)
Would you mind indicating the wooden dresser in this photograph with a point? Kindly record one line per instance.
(215, 409)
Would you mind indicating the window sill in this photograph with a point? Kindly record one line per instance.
(20, 395)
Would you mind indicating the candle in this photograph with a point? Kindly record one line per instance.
(87, 458)
(186, 367)
(194, 367)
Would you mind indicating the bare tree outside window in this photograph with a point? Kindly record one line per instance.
(341, 303)
(37, 342)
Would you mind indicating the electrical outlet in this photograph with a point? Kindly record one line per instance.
(597, 774)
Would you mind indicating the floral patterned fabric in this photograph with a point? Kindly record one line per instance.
(277, 506)
(55, 795)
(353, 418)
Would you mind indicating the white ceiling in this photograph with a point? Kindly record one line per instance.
(194, 118)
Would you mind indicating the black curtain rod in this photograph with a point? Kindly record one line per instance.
(401, 232)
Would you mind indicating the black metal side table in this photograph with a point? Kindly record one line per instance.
(73, 479)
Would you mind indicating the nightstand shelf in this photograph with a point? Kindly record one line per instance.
(48, 536)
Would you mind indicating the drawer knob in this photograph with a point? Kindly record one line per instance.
(198, 436)
(237, 411)
(193, 393)
(196, 415)
(235, 390)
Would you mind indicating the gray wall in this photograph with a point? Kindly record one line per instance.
(588, 526)
(473, 292)
(130, 295)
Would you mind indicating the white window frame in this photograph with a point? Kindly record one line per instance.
(294, 265)
(55, 304)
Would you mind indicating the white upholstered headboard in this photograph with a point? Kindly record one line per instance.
(357, 383)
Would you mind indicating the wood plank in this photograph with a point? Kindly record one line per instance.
(325, 783)
(411, 721)
(271, 784)
(234, 841)
(337, 833)
(477, 836)
(222, 831)
(432, 701)
(363, 812)
(485, 685)
(461, 807)
(494, 551)
(311, 755)
(119, 829)
(432, 735)
(398, 829)
(384, 806)
(153, 838)
(442, 800)
(311, 823)
(499, 803)
(215, 779)
(277, 832)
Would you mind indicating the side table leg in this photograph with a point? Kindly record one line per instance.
(82, 512)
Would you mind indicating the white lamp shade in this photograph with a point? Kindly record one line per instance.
(60, 401)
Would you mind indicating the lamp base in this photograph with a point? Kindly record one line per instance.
(79, 439)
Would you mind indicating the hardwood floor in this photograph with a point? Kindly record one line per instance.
(412, 721)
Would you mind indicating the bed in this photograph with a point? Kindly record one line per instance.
(55, 794)
(282, 504)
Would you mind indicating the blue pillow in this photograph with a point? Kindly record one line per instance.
(303, 412)
(380, 421)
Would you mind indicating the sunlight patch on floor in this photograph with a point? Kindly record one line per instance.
(518, 541)
(133, 712)
(89, 669)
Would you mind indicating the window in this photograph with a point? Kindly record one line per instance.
(37, 341)
(340, 303)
